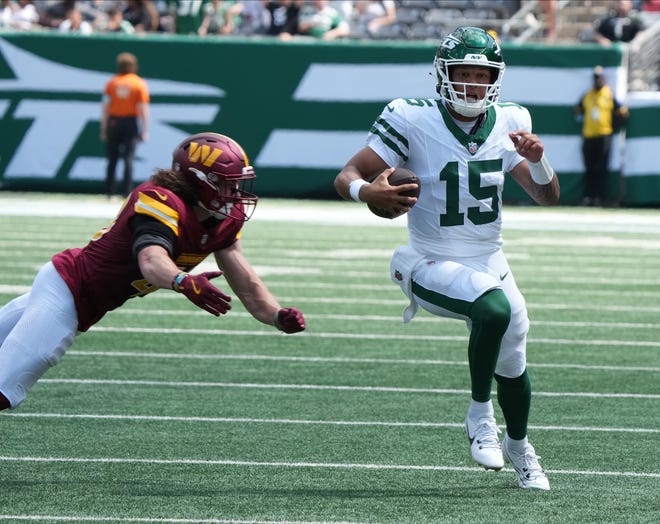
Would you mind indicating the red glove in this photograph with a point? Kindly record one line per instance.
(201, 292)
(289, 320)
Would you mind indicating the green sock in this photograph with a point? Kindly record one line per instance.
(514, 396)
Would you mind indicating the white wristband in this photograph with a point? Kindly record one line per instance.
(541, 171)
(354, 188)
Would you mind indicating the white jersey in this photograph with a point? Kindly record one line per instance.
(459, 209)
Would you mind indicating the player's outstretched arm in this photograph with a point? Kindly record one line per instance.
(254, 294)
(161, 271)
(156, 266)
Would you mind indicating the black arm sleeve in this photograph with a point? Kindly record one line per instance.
(148, 231)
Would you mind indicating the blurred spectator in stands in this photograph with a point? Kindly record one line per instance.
(254, 18)
(7, 8)
(74, 23)
(622, 24)
(25, 17)
(187, 16)
(549, 8)
(96, 11)
(600, 114)
(165, 17)
(374, 14)
(345, 8)
(221, 17)
(115, 22)
(142, 14)
(284, 17)
(150, 6)
(53, 12)
(320, 20)
(651, 6)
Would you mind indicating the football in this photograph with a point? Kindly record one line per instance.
(398, 177)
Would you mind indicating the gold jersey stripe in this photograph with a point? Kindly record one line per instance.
(190, 259)
(146, 205)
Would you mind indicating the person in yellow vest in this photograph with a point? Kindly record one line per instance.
(600, 114)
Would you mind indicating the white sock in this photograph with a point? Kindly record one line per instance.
(479, 410)
(517, 445)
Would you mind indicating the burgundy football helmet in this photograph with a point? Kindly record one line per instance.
(220, 168)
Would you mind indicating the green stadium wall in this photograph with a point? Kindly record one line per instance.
(300, 109)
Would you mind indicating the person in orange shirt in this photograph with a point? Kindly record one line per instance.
(124, 119)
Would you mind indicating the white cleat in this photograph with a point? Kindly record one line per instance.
(484, 444)
(530, 473)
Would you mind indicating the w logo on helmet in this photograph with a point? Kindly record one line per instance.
(203, 153)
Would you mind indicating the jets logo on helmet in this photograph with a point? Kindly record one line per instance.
(221, 171)
(468, 46)
(475, 58)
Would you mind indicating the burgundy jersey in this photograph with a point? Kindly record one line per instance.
(105, 273)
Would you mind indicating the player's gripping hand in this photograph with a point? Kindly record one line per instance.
(202, 293)
(289, 320)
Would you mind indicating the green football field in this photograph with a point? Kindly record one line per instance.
(163, 413)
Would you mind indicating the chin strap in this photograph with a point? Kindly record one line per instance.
(481, 119)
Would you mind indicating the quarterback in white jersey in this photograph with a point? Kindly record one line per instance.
(459, 210)
(461, 146)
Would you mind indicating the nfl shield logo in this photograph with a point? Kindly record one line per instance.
(472, 147)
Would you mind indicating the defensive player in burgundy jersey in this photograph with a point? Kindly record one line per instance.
(461, 146)
(166, 227)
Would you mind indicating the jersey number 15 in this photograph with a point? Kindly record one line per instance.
(453, 216)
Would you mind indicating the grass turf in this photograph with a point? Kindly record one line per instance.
(359, 419)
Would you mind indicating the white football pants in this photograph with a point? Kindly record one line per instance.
(35, 331)
(466, 279)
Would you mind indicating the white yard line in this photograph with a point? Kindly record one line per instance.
(317, 465)
(334, 360)
(364, 336)
(304, 422)
(329, 387)
(71, 518)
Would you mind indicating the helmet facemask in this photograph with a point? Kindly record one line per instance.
(453, 92)
(226, 196)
